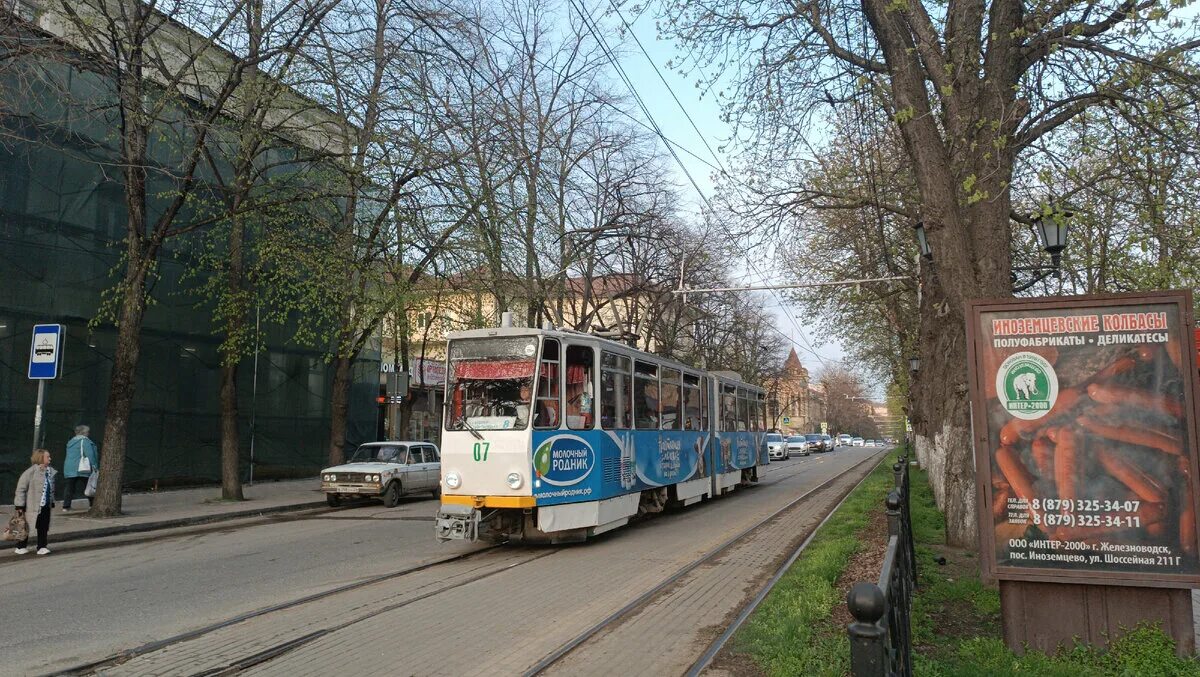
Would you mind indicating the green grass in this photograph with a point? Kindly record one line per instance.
(956, 618)
(791, 632)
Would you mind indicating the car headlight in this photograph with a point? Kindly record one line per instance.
(514, 480)
(453, 480)
(374, 478)
(333, 478)
(325, 477)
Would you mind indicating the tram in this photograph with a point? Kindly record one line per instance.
(552, 435)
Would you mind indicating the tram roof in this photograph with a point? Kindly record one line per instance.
(570, 334)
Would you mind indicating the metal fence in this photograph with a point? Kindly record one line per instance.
(881, 634)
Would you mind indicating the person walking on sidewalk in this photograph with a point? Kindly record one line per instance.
(81, 462)
(35, 496)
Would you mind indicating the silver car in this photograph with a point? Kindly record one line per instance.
(386, 470)
(796, 444)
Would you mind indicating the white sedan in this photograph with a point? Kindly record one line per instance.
(386, 470)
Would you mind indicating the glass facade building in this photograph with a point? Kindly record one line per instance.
(62, 219)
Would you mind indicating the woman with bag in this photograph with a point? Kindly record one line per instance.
(80, 463)
(35, 495)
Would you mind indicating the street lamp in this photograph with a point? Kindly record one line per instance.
(914, 363)
(1052, 230)
(923, 243)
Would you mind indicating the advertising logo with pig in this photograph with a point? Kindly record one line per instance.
(1027, 385)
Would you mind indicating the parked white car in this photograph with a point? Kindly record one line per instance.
(796, 444)
(386, 470)
(857, 442)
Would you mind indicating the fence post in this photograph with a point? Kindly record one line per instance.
(868, 650)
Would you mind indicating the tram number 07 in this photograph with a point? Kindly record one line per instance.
(480, 450)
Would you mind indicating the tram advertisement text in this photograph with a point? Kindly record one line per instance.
(1085, 439)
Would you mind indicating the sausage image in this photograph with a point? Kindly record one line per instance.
(1120, 366)
(1136, 397)
(1064, 463)
(1147, 353)
(1000, 503)
(1043, 455)
(1142, 437)
(1015, 472)
(1131, 476)
(1187, 531)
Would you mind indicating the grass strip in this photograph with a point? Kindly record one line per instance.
(956, 619)
(792, 632)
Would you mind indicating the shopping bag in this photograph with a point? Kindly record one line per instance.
(90, 489)
(17, 529)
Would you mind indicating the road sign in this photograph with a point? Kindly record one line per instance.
(787, 420)
(45, 351)
(824, 427)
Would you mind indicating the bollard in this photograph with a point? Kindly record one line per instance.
(868, 651)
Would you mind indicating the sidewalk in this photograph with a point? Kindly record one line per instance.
(148, 511)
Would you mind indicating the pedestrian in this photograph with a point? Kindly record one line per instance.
(35, 494)
(81, 461)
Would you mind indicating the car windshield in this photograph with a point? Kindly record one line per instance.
(380, 453)
(489, 383)
(795, 438)
(774, 437)
(813, 438)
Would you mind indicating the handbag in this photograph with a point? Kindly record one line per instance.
(17, 529)
(90, 490)
(85, 464)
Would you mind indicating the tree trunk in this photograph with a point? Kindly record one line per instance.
(122, 383)
(339, 409)
(231, 479)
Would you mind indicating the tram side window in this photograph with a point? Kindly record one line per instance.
(760, 414)
(669, 395)
(580, 390)
(728, 408)
(743, 418)
(615, 386)
(548, 407)
(691, 402)
(646, 399)
(704, 385)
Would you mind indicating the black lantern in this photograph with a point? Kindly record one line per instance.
(1052, 229)
(914, 363)
(923, 243)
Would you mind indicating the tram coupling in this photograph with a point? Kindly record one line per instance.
(457, 523)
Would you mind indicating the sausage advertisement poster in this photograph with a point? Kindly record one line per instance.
(1085, 441)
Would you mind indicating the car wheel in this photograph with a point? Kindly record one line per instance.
(391, 495)
(333, 500)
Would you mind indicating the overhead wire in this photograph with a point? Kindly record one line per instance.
(590, 24)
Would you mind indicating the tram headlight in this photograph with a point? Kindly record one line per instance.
(514, 480)
(453, 480)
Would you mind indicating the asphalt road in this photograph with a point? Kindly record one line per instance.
(71, 608)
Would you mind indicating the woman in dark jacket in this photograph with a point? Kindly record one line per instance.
(35, 496)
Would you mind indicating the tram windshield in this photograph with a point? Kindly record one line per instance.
(490, 383)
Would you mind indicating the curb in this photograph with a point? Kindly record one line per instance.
(118, 530)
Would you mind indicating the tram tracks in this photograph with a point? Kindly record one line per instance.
(649, 596)
(218, 651)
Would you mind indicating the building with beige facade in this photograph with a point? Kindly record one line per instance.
(796, 405)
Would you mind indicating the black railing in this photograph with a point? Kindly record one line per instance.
(881, 634)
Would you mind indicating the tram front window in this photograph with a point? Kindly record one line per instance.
(491, 383)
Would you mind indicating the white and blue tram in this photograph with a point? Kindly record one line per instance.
(555, 435)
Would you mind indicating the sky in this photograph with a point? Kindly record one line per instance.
(647, 78)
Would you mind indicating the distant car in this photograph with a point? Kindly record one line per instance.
(796, 444)
(843, 440)
(814, 442)
(386, 470)
(857, 442)
(828, 442)
(776, 446)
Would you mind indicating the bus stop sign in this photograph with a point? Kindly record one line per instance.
(45, 352)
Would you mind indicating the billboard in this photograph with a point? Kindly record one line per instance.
(1085, 440)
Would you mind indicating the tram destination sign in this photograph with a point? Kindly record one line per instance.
(1085, 439)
